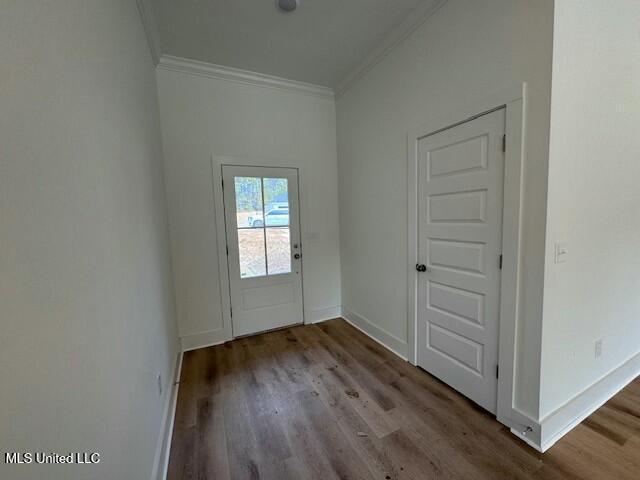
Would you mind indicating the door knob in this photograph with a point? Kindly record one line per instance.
(297, 256)
(421, 268)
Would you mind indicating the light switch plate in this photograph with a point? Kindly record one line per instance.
(598, 349)
(562, 252)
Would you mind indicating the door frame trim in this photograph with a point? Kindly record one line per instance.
(217, 161)
(514, 100)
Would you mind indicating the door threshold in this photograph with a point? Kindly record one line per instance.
(268, 331)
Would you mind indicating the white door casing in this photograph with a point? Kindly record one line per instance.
(264, 248)
(460, 206)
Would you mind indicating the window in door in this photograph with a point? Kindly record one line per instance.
(264, 240)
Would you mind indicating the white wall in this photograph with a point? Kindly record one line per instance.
(463, 54)
(203, 116)
(594, 198)
(87, 314)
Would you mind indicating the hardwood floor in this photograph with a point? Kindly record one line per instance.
(326, 402)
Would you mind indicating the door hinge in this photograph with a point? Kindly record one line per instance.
(500, 262)
(497, 371)
(231, 310)
(227, 247)
(223, 183)
(504, 143)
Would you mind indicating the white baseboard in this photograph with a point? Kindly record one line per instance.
(384, 338)
(217, 337)
(163, 446)
(202, 340)
(323, 314)
(559, 422)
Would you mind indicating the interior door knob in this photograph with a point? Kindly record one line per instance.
(421, 268)
(297, 256)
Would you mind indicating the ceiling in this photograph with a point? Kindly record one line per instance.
(322, 42)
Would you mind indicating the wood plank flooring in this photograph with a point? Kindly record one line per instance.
(326, 402)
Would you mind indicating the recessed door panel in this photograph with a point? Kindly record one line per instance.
(456, 348)
(269, 296)
(458, 207)
(466, 156)
(456, 302)
(465, 256)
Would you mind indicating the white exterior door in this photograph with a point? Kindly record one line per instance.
(461, 173)
(264, 251)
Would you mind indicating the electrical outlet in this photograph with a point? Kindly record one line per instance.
(159, 384)
(598, 350)
(562, 252)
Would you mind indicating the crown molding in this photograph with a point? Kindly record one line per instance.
(245, 77)
(415, 20)
(151, 30)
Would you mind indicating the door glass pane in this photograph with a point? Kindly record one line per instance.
(251, 250)
(278, 250)
(249, 202)
(276, 202)
(263, 202)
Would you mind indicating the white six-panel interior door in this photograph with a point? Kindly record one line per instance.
(460, 204)
(264, 252)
